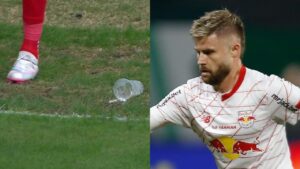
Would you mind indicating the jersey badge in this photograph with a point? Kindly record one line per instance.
(246, 118)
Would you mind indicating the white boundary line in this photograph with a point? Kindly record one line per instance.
(73, 115)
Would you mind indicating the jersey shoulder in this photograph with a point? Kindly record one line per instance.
(261, 79)
(254, 77)
(196, 85)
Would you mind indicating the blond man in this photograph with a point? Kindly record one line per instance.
(239, 113)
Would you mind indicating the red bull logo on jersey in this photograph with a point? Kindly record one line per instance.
(246, 119)
(233, 149)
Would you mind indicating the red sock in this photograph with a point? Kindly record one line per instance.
(32, 35)
(33, 18)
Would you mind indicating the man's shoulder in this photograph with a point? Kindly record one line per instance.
(196, 84)
(194, 81)
(256, 76)
(255, 73)
(261, 80)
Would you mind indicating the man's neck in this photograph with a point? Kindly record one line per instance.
(230, 80)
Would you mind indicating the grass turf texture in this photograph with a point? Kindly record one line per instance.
(77, 72)
(56, 143)
(80, 60)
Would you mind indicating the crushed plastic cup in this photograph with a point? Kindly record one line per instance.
(124, 89)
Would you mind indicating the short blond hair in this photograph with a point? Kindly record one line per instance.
(219, 21)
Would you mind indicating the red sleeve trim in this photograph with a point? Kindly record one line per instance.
(237, 84)
(298, 105)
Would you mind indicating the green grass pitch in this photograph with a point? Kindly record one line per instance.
(80, 59)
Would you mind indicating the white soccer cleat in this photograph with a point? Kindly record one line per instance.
(24, 69)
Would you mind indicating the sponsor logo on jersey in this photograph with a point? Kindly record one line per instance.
(224, 127)
(246, 118)
(227, 127)
(205, 117)
(283, 103)
(169, 97)
(232, 148)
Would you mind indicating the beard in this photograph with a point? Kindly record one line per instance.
(215, 78)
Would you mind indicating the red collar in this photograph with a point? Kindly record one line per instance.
(237, 84)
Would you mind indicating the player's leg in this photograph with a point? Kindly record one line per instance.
(26, 65)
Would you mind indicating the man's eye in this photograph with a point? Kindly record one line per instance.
(208, 52)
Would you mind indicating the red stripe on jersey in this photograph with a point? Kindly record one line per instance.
(237, 84)
(298, 105)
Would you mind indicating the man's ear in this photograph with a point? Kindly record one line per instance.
(236, 50)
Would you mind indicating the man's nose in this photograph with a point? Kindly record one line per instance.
(201, 58)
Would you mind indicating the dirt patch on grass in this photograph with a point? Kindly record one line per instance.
(91, 13)
(10, 14)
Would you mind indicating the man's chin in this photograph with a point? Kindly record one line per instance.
(208, 80)
(205, 78)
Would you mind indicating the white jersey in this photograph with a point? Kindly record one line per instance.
(244, 128)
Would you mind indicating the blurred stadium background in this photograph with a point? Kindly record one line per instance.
(271, 47)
